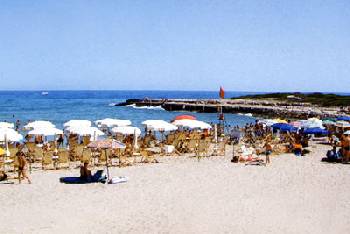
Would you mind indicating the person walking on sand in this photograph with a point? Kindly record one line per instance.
(22, 167)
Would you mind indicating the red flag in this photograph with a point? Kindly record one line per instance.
(222, 93)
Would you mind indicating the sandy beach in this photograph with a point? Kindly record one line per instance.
(182, 195)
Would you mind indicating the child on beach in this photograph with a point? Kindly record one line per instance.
(268, 151)
(22, 167)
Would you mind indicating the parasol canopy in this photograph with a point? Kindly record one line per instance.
(6, 125)
(344, 118)
(128, 130)
(113, 122)
(84, 131)
(106, 144)
(45, 131)
(192, 124)
(77, 123)
(181, 117)
(39, 124)
(284, 127)
(318, 131)
(10, 134)
(342, 124)
(159, 125)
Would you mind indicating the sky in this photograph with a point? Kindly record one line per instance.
(243, 45)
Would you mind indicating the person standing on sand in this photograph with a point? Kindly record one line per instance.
(22, 167)
(268, 151)
(345, 143)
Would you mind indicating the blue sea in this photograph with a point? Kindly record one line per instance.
(61, 106)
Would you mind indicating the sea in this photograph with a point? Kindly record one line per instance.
(61, 106)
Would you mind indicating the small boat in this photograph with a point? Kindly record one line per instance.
(44, 93)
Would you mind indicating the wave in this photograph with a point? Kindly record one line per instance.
(147, 107)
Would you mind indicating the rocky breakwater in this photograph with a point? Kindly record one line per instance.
(265, 108)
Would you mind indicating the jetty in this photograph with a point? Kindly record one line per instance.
(257, 107)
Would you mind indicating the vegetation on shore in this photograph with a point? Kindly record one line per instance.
(319, 99)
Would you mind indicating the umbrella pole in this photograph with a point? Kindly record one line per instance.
(107, 166)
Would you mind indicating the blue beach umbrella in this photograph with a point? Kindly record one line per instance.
(284, 127)
(318, 131)
(344, 118)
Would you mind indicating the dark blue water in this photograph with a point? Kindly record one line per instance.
(61, 106)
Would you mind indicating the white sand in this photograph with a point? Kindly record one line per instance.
(181, 195)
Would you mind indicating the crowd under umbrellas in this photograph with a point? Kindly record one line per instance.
(86, 133)
(46, 135)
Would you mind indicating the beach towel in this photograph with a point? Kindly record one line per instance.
(118, 180)
(98, 177)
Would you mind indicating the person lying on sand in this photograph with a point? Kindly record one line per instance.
(22, 167)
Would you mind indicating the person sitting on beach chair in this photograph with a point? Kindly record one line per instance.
(3, 176)
(85, 173)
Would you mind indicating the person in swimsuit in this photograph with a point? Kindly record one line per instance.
(268, 151)
(85, 173)
(22, 167)
(345, 143)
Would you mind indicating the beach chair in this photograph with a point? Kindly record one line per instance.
(104, 156)
(63, 158)
(147, 157)
(202, 149)
(47, 160)
(192, 146)
(221, 148)
(38, 154)
(79, 149)
(86, 155)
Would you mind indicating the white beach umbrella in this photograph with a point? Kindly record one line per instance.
(6, 125)
(10, 135)
(113, 122)
(39, 124)
(192, 124)
(84, 131)
(159, 125)
(342, 124)
(77, 123)
(312, 123)
(45, 131)
(127, 130)
(267, 122)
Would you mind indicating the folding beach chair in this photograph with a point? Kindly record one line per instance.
(47, 160)
(63, 158)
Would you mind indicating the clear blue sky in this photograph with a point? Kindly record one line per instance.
(177, 45)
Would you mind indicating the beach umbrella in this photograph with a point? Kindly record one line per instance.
(39, 124)
(180, 117)
(45, 131)
(113, 122)
(77, 123)
(347, 132)
(104, 145)
(342, 124)
(127, 130)
(344, 118)
(280, 121)
(318, 131)
(284, 127)
(9, 134)
(192, 124)
(328, 122)
(267, 122)
(6, 125)
(159, 125)
(296, 124)
(312, 123)
(85, 130)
